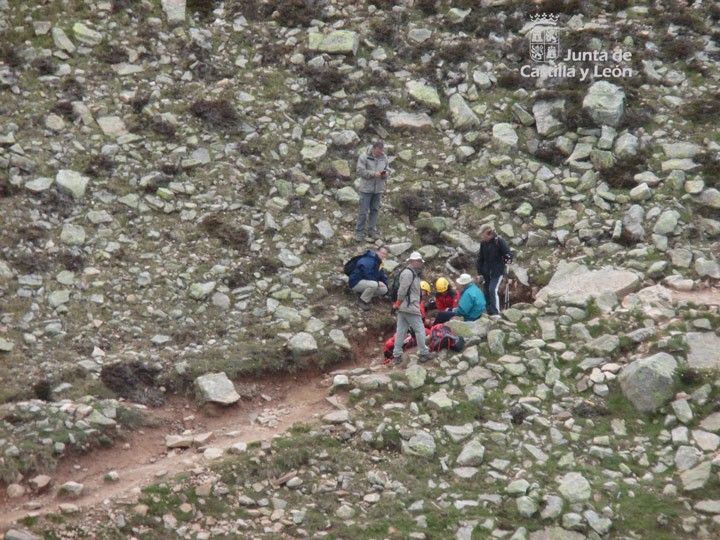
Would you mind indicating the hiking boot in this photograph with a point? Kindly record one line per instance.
(359, 237)
(397, 360)
(422, 358)
(364, 305)
(375, 235)
(495, 317)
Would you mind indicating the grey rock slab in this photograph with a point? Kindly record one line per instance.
(302, 343)
(72, 235)
(20, 534)
(336, 42)
(6, 345)
(471, 454)
(681, 150)
(62, 41)
(337, 417)
(410, 121)
(707, 268)
(216, 388)
(711, 423)
(504, 135)
(71, 489)
(462, 115)
(526, 506)
(549, 117)
(71, 182)
(574, 487)
(682, 410)
(112, 126)
(348, 195)
(174, 10)
(415, 375)
(459, 433)
(39, 184)
(423, 93)
(198, 291)
(86, 35)
(649, 382)
(420, 444)
(553, 507)
(583, 284)
(709, 197)
(605, 103)
(704, 350)
(696, 478)
(517, 487)
(708, 506)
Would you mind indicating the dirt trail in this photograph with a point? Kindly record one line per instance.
(707, 297)
(142, 458)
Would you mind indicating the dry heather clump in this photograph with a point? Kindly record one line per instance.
(111, 54)
(325, 80)
(218, 113)
(99, 165)
(230, 234)
(134, 381)
(44, 65)
(703, 110)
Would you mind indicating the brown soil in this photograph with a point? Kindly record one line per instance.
(142, 458)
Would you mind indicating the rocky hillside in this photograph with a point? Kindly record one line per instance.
(177, 199)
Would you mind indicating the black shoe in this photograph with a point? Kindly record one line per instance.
(397, 360)
(426, 357)
(364, 305)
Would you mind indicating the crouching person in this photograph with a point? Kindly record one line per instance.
(367, 277)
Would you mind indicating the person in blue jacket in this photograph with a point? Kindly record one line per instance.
(368, 278)
(471, 305)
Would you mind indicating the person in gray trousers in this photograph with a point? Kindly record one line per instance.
(407, 307)
(372, 168)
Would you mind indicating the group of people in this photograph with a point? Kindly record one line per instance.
(410, 293)
(412, 296)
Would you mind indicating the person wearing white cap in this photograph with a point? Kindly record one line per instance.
(407, 306)
(472, 301)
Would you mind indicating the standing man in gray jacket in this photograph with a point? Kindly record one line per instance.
(372, 168)
(408, 311)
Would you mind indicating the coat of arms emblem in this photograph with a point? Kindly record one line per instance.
(544, 38)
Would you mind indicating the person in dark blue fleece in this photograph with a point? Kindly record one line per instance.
(368, 278)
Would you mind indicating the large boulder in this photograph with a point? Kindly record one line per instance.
(216, 388)
(423, 93)
(406, 120)
(605, 103)
(504, 135)
(302, 343)
(337, 42)
(174, 10)
(71, 182)
(632, 222)
(549, 117)
(704, 350)
(580, 284)
(649, 382)
(462, 115)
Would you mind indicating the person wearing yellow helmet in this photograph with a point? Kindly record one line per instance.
(425, 287)
(446, 299)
